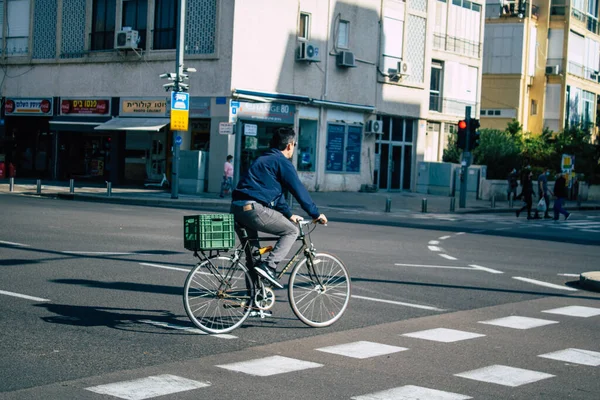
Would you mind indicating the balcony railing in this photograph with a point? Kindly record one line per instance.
(450, 106)
(512, 9)
(456, 45)
(583, 72)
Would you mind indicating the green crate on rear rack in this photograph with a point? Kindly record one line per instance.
(208, 232)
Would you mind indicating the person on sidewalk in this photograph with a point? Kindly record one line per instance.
(258, 203)
(512, 185)
(560, 192)
(526, 194)
(227, 182)
(544, 193)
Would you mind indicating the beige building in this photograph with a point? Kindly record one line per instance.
(540, 64)
(371, 86)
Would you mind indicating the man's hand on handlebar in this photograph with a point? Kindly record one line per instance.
(295, 218)
(321, 220)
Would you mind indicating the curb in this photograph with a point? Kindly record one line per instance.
(590, 280)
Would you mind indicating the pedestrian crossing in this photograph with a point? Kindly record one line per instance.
(498, 374)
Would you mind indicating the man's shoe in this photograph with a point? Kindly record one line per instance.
(266, 272)
(518, 212)
(567, 216)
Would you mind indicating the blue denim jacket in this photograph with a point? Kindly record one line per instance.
(267, 178)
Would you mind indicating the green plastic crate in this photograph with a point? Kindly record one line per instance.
(208, 232)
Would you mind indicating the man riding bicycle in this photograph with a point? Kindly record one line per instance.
(258, 203)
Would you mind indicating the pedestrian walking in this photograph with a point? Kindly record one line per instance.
(560, 193)
(227, 181)
(526, 193)
(544, 193)
(512, 185)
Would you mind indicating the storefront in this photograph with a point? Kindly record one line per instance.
(83, 153)
(28, 141)
(142, 129)
(255, 124)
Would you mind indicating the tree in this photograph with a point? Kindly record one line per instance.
(452, 153)
(499, 150)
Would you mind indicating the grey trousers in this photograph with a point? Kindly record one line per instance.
(259, 218)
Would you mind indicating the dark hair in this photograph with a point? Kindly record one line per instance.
(229, 157)
(282, 137)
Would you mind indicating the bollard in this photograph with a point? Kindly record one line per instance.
(12, 184)
(109, 189)
(493, 201)
(72, 186)
(424, 205)
(39, 187)
(388, 204)
(510, 202)
(452, 203)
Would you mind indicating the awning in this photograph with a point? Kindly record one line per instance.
(134, 124)
(76, 124)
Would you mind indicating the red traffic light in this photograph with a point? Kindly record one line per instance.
(462, 124)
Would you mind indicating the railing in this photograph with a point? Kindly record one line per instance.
(456, 45)
(435, 102)
(17, 45)
(583, 72)
(590, 22)
(512, 9)
(450, 106)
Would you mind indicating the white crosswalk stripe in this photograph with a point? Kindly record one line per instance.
(504, 375)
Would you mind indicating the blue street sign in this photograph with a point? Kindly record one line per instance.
(178, 140)
(180, 101)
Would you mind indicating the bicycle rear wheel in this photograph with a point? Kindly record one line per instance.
(218, 295)
(319, 304)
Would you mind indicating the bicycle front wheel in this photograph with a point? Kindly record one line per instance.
(218, 295)
(319, 295)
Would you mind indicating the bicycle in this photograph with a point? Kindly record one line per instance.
(221, 292)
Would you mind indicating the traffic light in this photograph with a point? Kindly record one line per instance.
(473, 134)
(461, 142)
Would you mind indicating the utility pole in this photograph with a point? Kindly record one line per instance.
(466, 162)
(179, 99)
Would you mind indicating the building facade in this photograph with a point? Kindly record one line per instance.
(372, 87)
(541, 64)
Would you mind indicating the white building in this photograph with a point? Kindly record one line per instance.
(88, 106)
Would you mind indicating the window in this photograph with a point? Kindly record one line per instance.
(392, 40)
(343, 34)
(534, 105)
(435, 87)
(344, 144)
(165, 25)
(16, 14)
(103, 25)
(135, 16)
(304, 26)
(307, 145)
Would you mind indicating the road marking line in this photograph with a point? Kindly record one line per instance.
(268, 366)
(575, 356)
(573, 275)
(434, 248)
(516, 322)
(492, 271)
(443, 335)
(444, 237)
(102, 253)
(503, 375)
(575, 311)
(501, 229)
(399, 303)
(14, 244)
(590, 230)
(412, 392)
(447, 257)
(361, 349)
(434, 242)
(147, 388)
(460, 233)
(185, 328)
(546, 284)
(164, 267)
(23, 296)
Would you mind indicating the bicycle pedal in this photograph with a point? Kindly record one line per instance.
(262, 314)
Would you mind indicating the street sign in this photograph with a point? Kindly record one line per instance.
(250, 130)
(178, 140)
(233, 111)
(180, 111)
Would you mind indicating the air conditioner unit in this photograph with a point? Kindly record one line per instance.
(552, 69)
(308, 51)
(127, 39)
(404, 68)
(374, 126)
(345, 59)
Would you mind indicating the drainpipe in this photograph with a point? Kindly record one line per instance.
(325, 89)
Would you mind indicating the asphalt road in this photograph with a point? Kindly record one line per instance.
(91, 295)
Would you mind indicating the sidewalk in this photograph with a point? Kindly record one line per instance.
(399, 202)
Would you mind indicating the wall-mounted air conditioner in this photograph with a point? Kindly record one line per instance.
(552, 69)
(345, 59)
(308, 51)
(127, 39)
(374, 126)
(404, 68)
